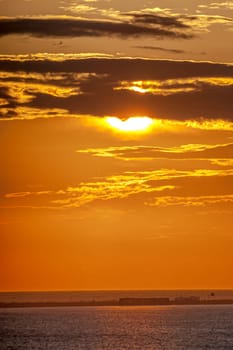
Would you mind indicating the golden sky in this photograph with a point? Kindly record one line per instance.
(116, 143)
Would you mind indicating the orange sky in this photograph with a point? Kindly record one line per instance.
(89, 198)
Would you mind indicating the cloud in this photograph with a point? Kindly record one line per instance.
(22, 87)
(194, 201)
(173, 86)
(217, 5)
(23, 93)
(194, 23)
(188, 151)
(158, 48)
(201, 23)
(112, 187)
(119, 68)
(85, 9)
(25, 194)
(75, 27)
(107, 86)
(146, 185)
(52, 57)
(27, 113)
(80, 9)
(223, 162)
(155, 19)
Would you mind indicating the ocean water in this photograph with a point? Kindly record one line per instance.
(118, 328)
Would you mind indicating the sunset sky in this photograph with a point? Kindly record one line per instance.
(116, 143)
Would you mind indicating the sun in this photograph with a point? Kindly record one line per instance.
(132, 124)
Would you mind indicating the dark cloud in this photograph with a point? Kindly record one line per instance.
(88, 86)
(117, 68)
(163, 49)
(158, 48)
(72, 27)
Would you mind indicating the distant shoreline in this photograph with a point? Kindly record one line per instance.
(120, 302)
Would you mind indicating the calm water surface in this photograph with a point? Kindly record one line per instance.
(117, 328)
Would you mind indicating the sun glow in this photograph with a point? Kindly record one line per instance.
(133, 124)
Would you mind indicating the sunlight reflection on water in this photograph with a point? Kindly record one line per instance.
(116, 328)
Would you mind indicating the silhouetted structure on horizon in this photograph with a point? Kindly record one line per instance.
(144, 301)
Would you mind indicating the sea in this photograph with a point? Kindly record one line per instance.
(170, 327)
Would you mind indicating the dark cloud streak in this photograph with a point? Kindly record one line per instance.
(158, 48)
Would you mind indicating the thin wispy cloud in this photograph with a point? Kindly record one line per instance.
(187, 151)
(217, 5)
(147, 184)
(194, 201)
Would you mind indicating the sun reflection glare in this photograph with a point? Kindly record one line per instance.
(132, 124)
